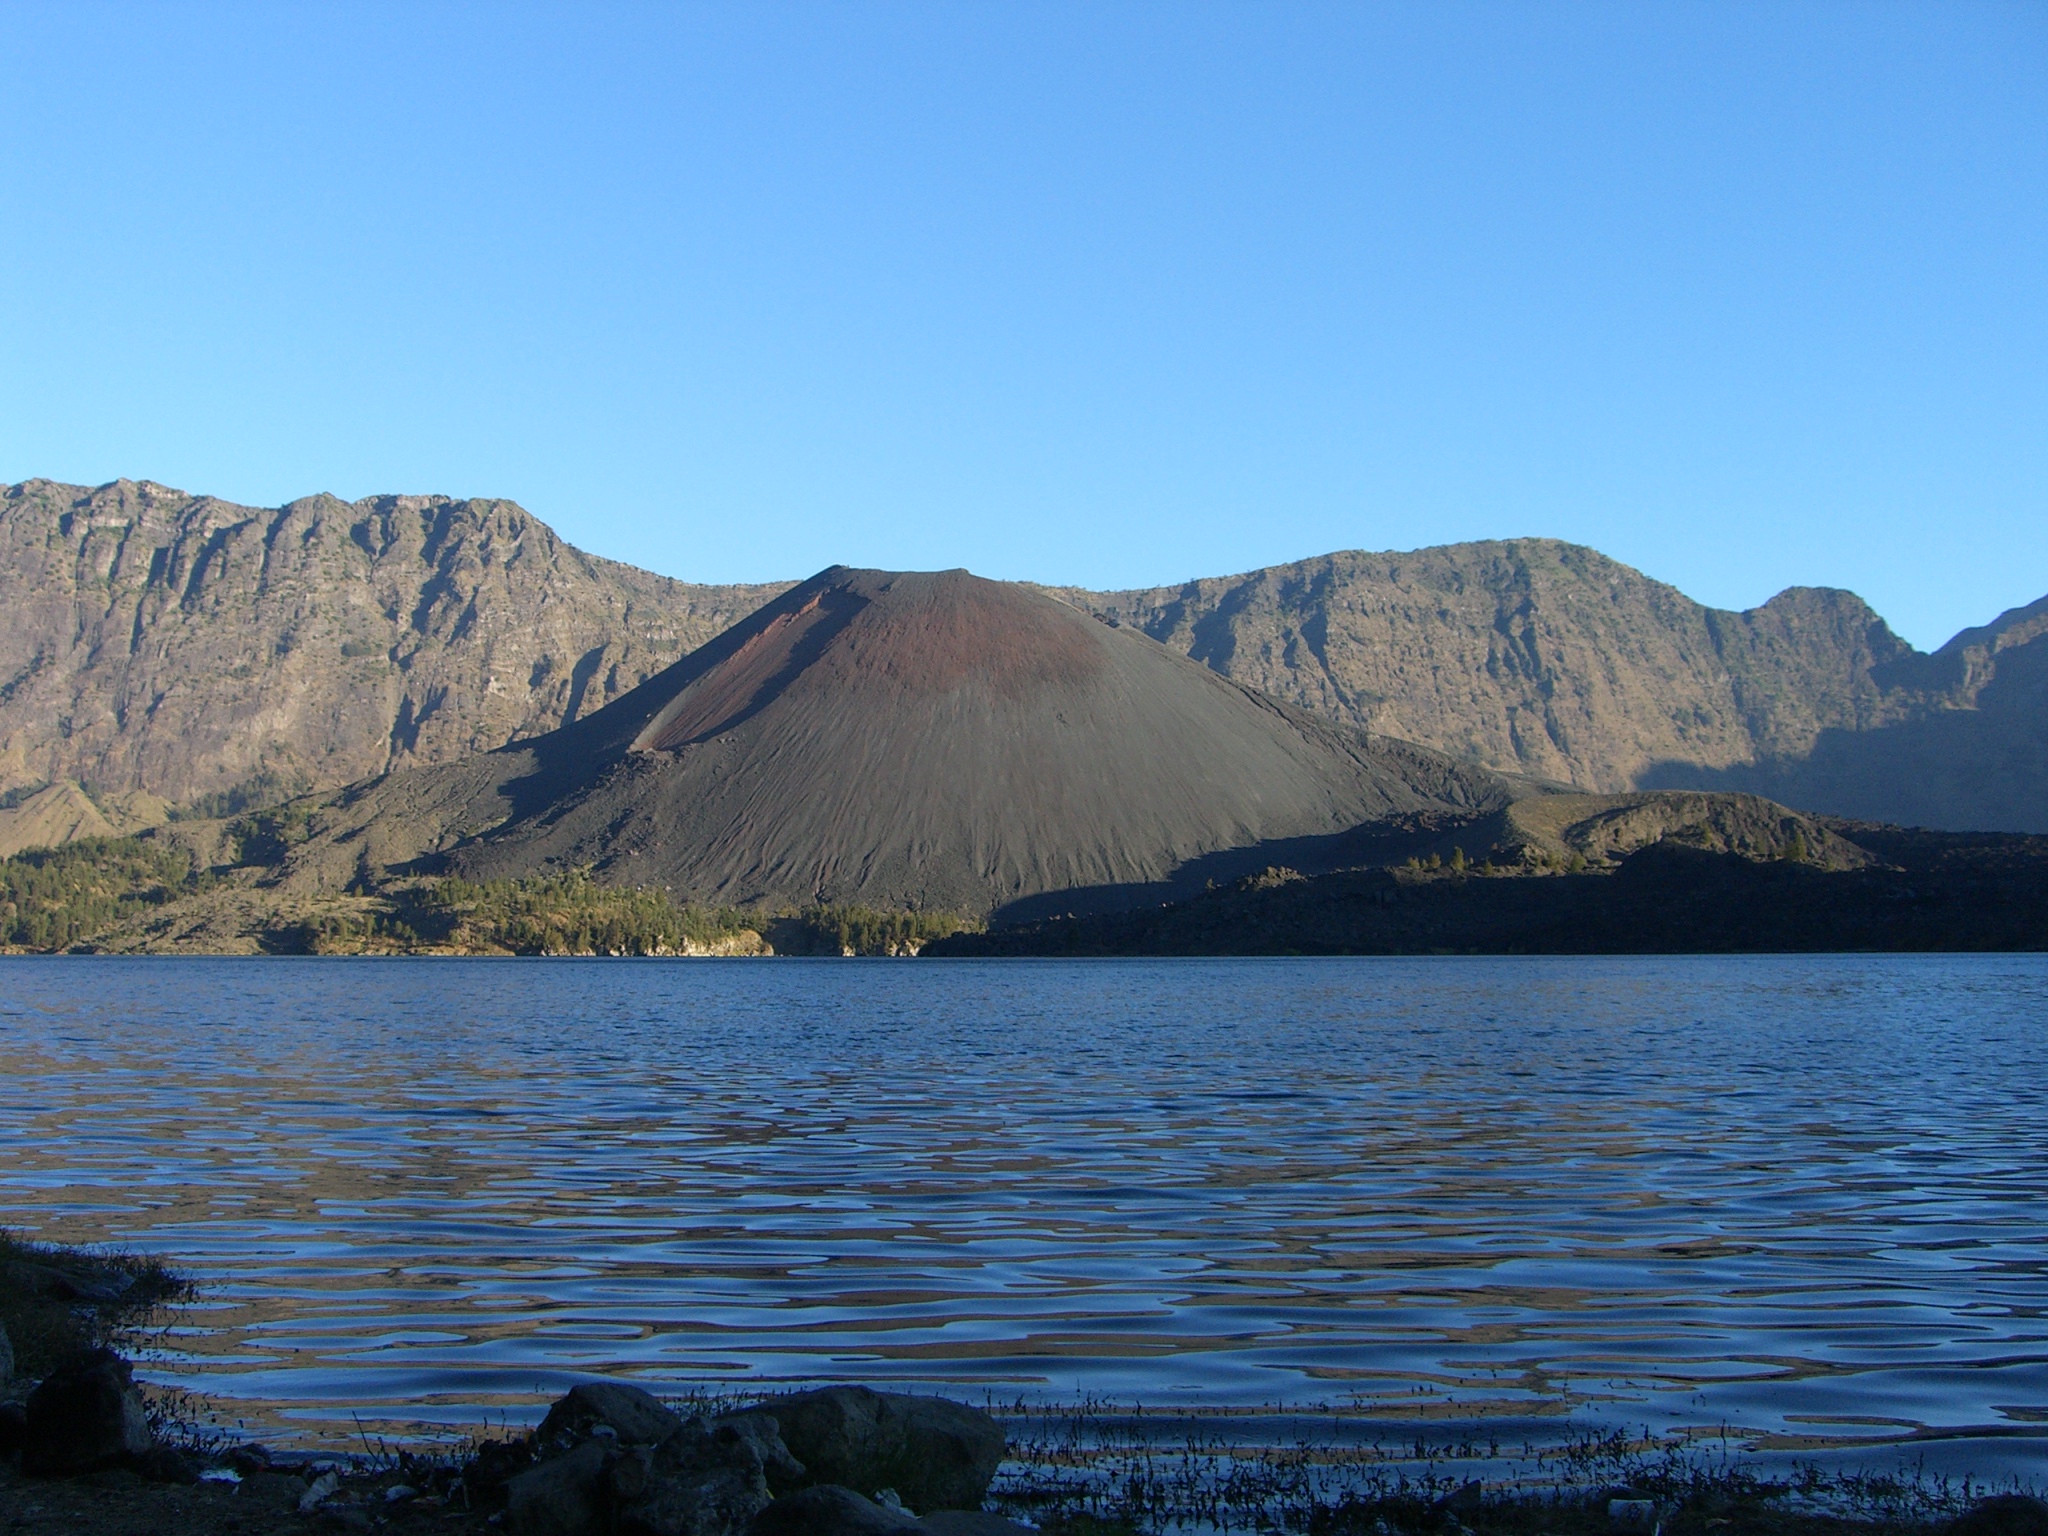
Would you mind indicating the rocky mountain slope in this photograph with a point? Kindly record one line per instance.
(185, 647)
(1550, 659)
(922, 740)
(152, 640)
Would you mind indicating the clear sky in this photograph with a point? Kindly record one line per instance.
(1745, 295)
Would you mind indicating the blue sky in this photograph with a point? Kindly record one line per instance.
(1747, 296)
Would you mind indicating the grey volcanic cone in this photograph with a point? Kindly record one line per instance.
(936, 740)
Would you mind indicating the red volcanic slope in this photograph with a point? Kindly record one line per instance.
(937, 740)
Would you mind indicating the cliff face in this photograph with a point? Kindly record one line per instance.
(1545, 658)
(1533, 655)
(187, 646)
(151, 640)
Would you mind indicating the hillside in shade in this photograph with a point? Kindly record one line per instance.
(905, 739)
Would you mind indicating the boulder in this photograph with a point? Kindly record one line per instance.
(566, 1495)
(614, 1462)
(631, 1416)
(703, 1480)
(784, 1472)
(936, 1454)
(86, 1414)
(831, 1510)
(488, 1473)
(13, 1427)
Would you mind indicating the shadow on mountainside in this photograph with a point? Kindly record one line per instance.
(1984, 767)
(1940, 891)
(1373, 844)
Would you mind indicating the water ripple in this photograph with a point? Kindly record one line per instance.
(1800, 1196)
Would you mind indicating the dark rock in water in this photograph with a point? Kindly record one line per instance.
(566, 1495)
(936, 1454)
(86, 1414)
(13, 1427)
(2008, 1514)
(784, 1472)
(830, 1510)
(631, 1416)
(971, 1522)
(700, 1481)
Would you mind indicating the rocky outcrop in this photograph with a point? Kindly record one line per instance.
(611, 1460)
(187, 646)
(932, 1453)
(86, 1414)
(63, 812)
(1546, 658)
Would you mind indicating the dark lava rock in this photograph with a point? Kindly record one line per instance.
(566, 1495)
(496, 1462)
(700, 1481)
(830, 1510)
(13, 1427)
(2009, 1514)
(936, 1454)
(784, 1472)
(86, 1414)
(971, 1522)
(615, 1462)
(634, 1417)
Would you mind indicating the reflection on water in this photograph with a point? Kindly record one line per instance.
(1806, 1197)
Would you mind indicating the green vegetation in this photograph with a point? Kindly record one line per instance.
(10, 798)
(268, 835)
(51, 898)
(258, 791)
(573, 915)
(850, 930)
(353, 933)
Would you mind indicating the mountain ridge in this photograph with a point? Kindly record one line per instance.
(200, 651)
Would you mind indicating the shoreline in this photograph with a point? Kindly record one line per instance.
(1082, 1469)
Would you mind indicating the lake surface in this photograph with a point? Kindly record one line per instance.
(1802, 1197)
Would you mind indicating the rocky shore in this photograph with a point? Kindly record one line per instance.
(84, 1452)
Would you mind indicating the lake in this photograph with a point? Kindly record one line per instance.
(1802, 1198)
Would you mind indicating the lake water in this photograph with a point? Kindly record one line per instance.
(1805, 1198)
